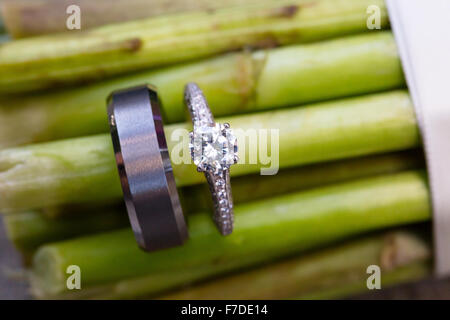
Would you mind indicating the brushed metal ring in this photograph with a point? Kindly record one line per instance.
(145, 170)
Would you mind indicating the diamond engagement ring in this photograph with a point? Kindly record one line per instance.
(213, 149)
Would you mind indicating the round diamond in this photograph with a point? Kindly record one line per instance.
(213, 147)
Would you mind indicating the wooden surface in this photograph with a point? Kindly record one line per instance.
(13, 284)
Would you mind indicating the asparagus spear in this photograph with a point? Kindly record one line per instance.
(254, 187)
(406, 274)
(29, 230)
(49, 16)
(84, 169)
(330, 273)
(339, 270)
(233, 84)
(264, 231)
(48, 61)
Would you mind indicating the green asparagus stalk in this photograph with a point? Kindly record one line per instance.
(407, 274)
(84, 169)
(401, 256)
(28, 230)
(49, 16)
(264, 231)
(49, 61)
(233, 84)
(254, 187)
(32, 229)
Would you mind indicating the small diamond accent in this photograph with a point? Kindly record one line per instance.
(220, 183)
(222, 194)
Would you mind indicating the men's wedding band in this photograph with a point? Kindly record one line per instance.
(145, 170)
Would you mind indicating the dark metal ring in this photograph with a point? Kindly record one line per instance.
(145, 170)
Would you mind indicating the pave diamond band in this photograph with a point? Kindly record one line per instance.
(219, 185)
(198, 106)
(213, 149)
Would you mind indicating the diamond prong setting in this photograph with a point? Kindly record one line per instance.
(213, 148)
